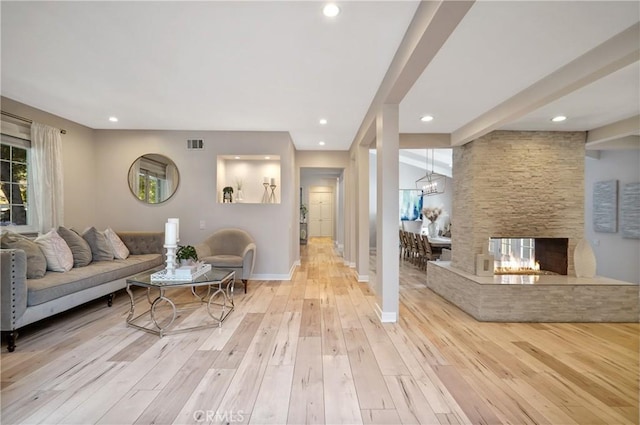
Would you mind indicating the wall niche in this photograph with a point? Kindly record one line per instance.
(255, 179)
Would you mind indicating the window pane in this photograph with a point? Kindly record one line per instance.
(19, 215)
(5, 171)
(5, 214)
(5, 152)
(19, 173)
(19, 154)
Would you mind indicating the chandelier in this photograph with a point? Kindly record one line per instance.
(431, 183)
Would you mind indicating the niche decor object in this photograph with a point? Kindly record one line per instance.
(227, 194)
(269, 197)
(605, 206)
(630, 211)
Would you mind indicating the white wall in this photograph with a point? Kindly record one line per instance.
(195, 201)
(616, 257)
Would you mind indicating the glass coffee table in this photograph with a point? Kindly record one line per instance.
(213, 288)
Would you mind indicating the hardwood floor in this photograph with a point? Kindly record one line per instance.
(312, 350)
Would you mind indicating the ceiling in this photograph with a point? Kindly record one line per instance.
(282, 66)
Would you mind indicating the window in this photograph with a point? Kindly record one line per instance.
(14, 183)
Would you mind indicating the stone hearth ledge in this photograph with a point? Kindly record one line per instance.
(517, 298)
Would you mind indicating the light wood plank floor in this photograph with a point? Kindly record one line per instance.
(312, 351)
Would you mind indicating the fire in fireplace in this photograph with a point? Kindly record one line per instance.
(529, 255)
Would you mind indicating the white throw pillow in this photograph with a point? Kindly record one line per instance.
(120, 250)
(56, 251)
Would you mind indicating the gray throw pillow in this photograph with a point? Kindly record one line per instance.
(79, 247)
(36, 261)
(100, 247)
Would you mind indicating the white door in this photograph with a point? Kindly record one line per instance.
(321, 214)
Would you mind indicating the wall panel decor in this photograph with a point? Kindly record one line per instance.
(630, 211)
(605, 206)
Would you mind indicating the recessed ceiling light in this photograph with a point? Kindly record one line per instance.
(323, 121)
(113, 119)
(267, 157)
(331, 10)
(321, 143)
(236, 157)
(559, 118)
(426, 118)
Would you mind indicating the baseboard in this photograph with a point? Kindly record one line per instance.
(386, 316)
(269, 276)
(362, 278)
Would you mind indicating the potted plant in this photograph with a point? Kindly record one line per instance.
(227, 194)
(303, 213)
(186, 253)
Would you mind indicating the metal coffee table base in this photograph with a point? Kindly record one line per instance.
(219, 305)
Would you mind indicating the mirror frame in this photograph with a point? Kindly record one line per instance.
(167, 161)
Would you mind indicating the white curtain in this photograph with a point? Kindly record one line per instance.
(46, 166)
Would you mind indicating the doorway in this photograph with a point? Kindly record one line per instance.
(321, 211)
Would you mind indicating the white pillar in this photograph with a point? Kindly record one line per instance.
(387, 222)
(362, 217)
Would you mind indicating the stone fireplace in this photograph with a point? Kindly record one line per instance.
(525, 186)
(512, 183)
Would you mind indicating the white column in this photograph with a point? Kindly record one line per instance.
(348, 206)
(362, 217)
(387, 223)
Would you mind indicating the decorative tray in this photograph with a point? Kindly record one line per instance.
(182, 274)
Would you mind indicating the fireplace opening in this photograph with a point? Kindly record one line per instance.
(532, 256)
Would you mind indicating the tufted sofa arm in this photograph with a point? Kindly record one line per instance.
(13, 297)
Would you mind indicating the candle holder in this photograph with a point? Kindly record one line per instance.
(272, 196)
(265, 195)
(171, 259)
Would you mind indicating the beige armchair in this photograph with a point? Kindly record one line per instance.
(229, 249)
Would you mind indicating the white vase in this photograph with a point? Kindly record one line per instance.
(432, 229)
(584, 260)
(239, 196)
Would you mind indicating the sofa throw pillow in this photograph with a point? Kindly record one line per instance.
(79, 247)
(56, 251)
(100, 246)
(36, 261)
(120, 250)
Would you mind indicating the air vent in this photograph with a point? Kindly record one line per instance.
(195, 144)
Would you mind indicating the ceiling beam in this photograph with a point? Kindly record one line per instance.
(616, 130)
(623, 143)
(431, 26)
(614, 54)
(425, 140)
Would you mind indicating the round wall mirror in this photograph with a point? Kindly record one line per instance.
(153, 178)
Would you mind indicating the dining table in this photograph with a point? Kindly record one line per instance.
(439, 242)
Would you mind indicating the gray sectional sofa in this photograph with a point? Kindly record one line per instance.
(24, 301)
